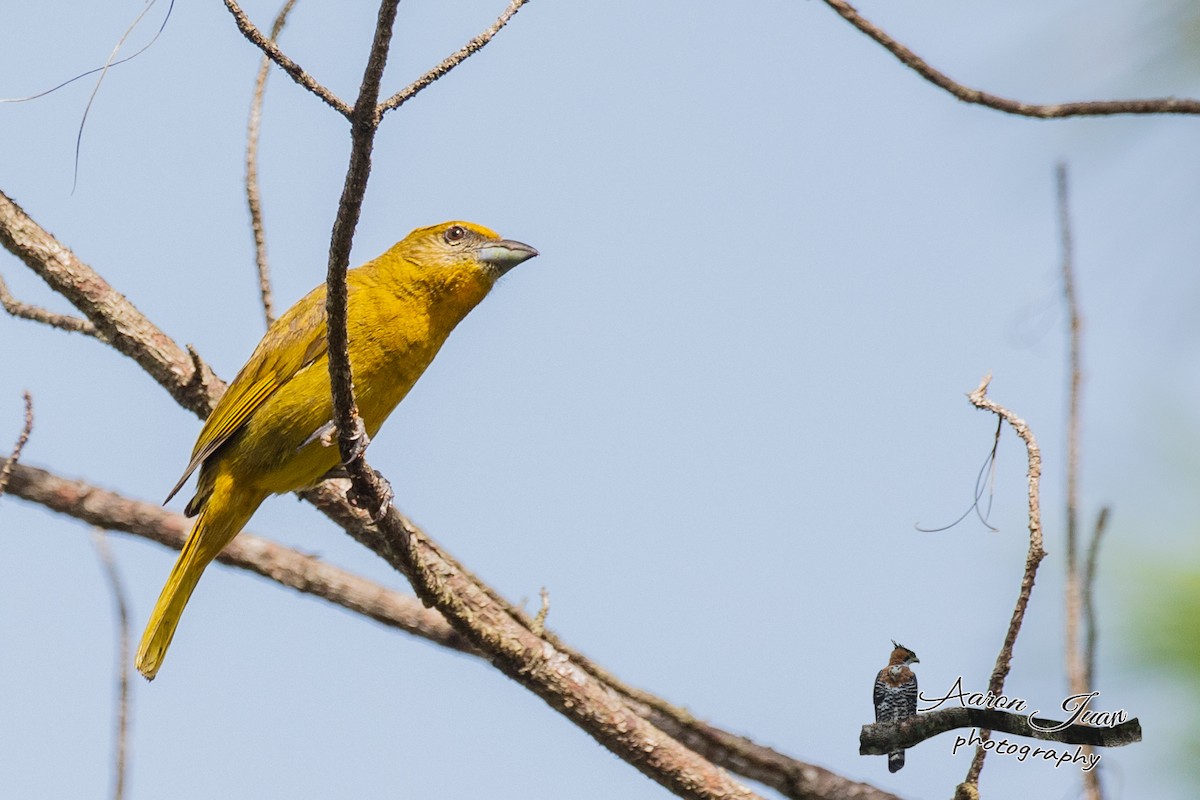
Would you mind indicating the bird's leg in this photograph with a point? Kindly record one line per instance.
(357, 499)
(359, 438)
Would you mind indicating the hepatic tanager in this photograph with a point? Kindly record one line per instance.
(269, 433)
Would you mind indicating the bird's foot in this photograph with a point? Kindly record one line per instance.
(359, 439)
(366, 503)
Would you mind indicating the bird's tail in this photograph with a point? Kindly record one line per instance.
(895, 760)
(222, 516)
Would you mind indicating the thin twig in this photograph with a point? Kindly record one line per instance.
(1096, 108)
(1092, 779)
(253, 197)
(10, 463)
(1089, 588)
(451, 61)
(123, 660)
(64, 322)
(269, 48)
(1036, 553)
(1077, 679)
(1074, 606)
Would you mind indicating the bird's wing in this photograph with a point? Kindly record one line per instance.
(878, 695)
(910, 697)
(273, 363)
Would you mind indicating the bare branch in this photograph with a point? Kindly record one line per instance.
(124, 659)
(451, 61)
(287, 567)
(1077, 678)
(253, 197)
(1036, 553)
(1074, 603)
(1089, 587)
(1097, 108)
(10, 463)
(364, 122)
(881, 738)
(535, 663)
(293, 69)
(1092, 779)
(117, 321)
(64, 322)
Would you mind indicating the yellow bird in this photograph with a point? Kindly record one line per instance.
(267, 434)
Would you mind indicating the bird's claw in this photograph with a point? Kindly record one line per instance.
(386, 495)
(360, 440)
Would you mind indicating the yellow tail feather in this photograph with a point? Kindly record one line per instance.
(220, 520)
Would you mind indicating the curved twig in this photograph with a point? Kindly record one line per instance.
(253, 197)
(64, 322)
(1036, 553)
(1093, 108)
(294, 70)
(451, 61)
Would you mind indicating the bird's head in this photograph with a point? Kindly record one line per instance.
(457, 249)
(902, 655)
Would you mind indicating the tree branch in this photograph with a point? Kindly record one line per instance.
(1096, 108)
(64, 322)
(272, 51)
(1089, 608)
(547, 671)
(1077, 662)
(1076, 679)
(253, 197)
(451, 61)
(123, 660)
(881, 738)
(287, 567)
(117, 321)
(364, 122)
(114, 512)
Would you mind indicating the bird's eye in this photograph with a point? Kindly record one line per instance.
(455, 234)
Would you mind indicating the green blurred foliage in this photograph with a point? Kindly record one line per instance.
(1164, 624)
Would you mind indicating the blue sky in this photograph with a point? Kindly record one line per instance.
(706, 419)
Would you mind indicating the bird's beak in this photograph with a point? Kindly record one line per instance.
(505, 254)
